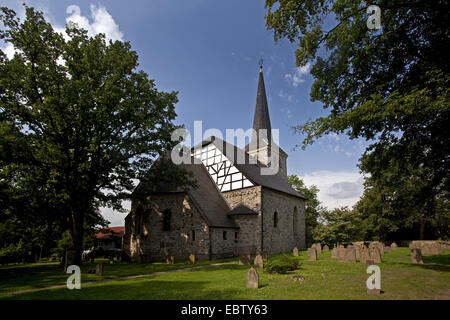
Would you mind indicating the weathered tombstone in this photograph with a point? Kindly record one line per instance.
(416, 256)
(350, 254)
(191, 259)
(245, 259)
(364, 255)
(358, 252)
(394, 246)
(318, 248)
(99, 269)
(369, 262)
(334, 252)
(170, 259)
(312, 254)
(252, 279)
(326, 248)
(295, 252)
(341, 254)
(258, 262)
(375, 254)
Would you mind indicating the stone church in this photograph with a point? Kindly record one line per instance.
(233, 210)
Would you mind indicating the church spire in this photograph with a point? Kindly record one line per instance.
(261, 119)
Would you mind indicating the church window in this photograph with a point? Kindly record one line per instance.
(166, 220)
(224, 235)
(139, 220)
(235, 235)
(193, 235)
(275, 219)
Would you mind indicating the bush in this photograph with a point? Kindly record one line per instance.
(282, 265)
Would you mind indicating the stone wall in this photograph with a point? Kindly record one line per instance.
(290, 229)
(222, 242)
(154, 243)
(249, 234)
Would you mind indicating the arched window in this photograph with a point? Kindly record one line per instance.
(275, 219)
(224, 235)
(193, 235)
(166, 220)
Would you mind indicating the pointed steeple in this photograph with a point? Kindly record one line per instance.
(261, 118)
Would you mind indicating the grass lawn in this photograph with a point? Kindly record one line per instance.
(325, 279)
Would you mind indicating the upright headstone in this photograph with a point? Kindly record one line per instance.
(318, 248)
(358, 251)
(252, 279)
(350, 254)
(364, 254)
(375, 254)
(170, 259)
(312, 254)
(341, 254)
(191, 259)
(334, 252)
(245, 259)
(326, 248)
(369, 262)
(99, 269)
(394, 246)
(416, 256)
(295, 252)
(258, 262)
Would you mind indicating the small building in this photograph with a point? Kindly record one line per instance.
(109, 238)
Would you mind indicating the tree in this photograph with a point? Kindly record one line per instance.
(390, 85)
(313, 206)
(79, 111)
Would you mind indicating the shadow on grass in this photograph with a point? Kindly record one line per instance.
(439, 262)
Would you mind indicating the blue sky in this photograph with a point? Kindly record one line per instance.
(208, 51)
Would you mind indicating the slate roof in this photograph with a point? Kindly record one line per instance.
(206, 197)
(251, 171)
(242, 209)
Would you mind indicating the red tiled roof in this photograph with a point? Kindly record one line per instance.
(110, 232)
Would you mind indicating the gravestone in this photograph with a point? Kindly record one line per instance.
(334, 252)
(358, 251)
(191, 259)
(245, 259)
(416, 256)
(252, 279)
(430, 248)
(295, 252)
(265, 256)
(99, 269)
(394, 246)
(364, 254)
(387, 249)
(326, 248)
(170, 259)
(312, 254)
(258, 262)
(318, 247)
(375, 254)
(350, 254)
(341, 254)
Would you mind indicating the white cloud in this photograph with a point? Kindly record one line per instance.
(297, 77)
(115, 218)
(337, 188)
(286, 96)
(9, 50)
(102, 22)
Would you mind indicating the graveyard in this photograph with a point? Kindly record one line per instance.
(328, 273)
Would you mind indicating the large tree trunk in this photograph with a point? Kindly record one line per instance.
(76, 238)
(421, 229)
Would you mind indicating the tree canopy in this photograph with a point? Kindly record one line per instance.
(78, 121)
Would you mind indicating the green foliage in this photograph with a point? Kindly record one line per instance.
(282, 264)
(313, 206)
(78, 122)
(390, 86)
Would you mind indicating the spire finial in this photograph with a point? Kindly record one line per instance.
(260, 62)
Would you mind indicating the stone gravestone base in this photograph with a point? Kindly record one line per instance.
(252, 281)
(369, 262)
(373, 291)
